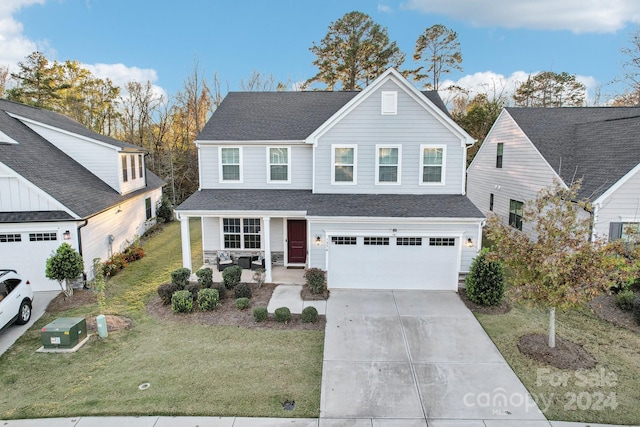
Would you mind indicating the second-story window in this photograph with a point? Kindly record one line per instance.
(140, 165)
(500, 151)
(432, 164)
(278, 164)
(344, 164)
(133, 166)
(230, 164)
(125, 173)
(388, 165)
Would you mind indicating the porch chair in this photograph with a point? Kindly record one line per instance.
(224, 260)
(257, 261)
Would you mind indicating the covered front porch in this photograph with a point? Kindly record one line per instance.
(280, 275)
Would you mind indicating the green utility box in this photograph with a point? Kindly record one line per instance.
(64, 332)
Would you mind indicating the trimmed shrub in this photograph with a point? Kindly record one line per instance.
(636, 310)
(222, 291)
(485, 282)
(316, 280)
(166, 291)
(231, 276)
(309, 315)
(182, 302)
(624, 300)
(208, 299)
(133, 253)
(242, 303)
(260, 314)
(205, 277)
(194, 288)
(242, 290)
(283, 314)
(180, 277)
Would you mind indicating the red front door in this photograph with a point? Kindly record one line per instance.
(297, 241)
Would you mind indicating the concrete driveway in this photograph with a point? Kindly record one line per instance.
(408, 357)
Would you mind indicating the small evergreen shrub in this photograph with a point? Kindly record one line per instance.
(194, 288)
(166, 291)
(231, 276)
(316, 280)
(242, 303)
(164, 211)
(624, 300)
(309, 315)
(182, 302)
(283, 314)
(260, 314)
(485, 282)
(180, 277)
(208, 299)
(636, 310)
(242, 290)
(222, 291)
(205, 277)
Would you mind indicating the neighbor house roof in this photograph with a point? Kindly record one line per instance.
(279, 116)
(53, 171)
(596, 144)
(314, 204)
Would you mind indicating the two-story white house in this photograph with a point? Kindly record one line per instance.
(528, 148)
(61, 182)
(369, 186)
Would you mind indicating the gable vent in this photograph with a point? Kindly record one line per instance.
(389, 102)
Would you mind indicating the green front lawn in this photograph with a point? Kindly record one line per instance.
(192, 369)
(608, 393)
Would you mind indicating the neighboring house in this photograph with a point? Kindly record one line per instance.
(368, 186)
(527, 148)
(60, 182)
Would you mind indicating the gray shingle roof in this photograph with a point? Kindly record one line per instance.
(278, 116)
(47, 167)
(34, 216)
(354, 205)
(596, 144)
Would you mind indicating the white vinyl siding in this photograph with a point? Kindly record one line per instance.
(130, 180)
(413, 126)
(388, 164)
(19, 195)
(433, 160)
(623, 205)
(278, 165)
(344, 160)
(230, 164)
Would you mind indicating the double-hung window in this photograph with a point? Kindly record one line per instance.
(432, 164)
(125, 173)
(388, 164)
(343, 159)
(241, 233)
(140, 165)
(278, 160)
(132, 159)
(230, 164)
(499, 153)
(515, 214)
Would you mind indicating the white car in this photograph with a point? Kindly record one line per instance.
(16, 299)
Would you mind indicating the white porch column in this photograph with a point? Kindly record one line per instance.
(186, 242)
(267, 249)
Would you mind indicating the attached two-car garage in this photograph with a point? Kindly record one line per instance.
(393, 262)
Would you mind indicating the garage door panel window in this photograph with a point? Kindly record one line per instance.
(442, 241)
(43, 237)
(344, 240)
(376, 241)
(409, 241)
(241, 233)
(10, 238)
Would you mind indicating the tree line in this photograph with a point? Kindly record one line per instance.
(351, 55)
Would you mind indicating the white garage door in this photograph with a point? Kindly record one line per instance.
(27, 253)
(375, 262)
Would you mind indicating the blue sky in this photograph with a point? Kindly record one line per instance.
(501, 40)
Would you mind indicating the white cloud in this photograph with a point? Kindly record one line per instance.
(14, 46)
(578, 16)
(384, 8)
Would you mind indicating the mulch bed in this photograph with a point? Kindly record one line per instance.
(226, 314)
(565, 355)
(605, 308)
(82, 297)
(502, 308)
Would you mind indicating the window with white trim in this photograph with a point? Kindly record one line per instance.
(278, 158)
(388, 164)
(389, 104)
(515, 213)
(376, 241)
(409, 241)
(344, 240)
(241, 233)
(230, 164)
(125, 174)
(343, 160)
(43, 237)
(140, 165)
(132, 158)
(442, 241)
(10, 237)
(432, 163)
